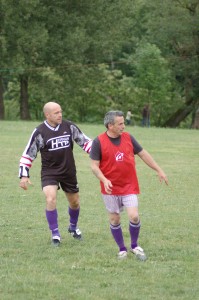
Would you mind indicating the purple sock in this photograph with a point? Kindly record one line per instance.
(74, 215)
(52, 216)
(134, 230)
(118, 236)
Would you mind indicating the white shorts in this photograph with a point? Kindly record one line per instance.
(115, 204)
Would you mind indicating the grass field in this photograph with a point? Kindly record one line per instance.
(30, 268)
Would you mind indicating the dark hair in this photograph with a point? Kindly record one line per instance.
(110, 117)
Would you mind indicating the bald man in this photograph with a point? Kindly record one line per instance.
(54, 139)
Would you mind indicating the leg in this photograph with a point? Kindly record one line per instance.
(73, 210)
(50, 192)
(116, 231)
(73, 199)
(114, 206)
(134, 225)
(134, 229)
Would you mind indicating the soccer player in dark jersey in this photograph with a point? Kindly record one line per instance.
(113, 163)
(54, 139)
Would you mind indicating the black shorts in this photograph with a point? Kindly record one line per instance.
(67, 185)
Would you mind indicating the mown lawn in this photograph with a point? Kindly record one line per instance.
(30, 268)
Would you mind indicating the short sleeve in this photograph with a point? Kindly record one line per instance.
(95, 152)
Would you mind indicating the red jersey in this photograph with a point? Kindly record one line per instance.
(118, 165)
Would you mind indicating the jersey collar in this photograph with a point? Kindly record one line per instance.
(50, 127)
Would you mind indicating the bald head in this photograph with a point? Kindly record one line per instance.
(50, 106)
(53, 113)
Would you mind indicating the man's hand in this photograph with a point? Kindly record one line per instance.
(148, 159)
(108, 186)
(162, 177)
(24, 182)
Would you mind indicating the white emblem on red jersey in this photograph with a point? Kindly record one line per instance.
(119, 156)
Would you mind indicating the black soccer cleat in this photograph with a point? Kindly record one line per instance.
(75, 233)
(56, 240)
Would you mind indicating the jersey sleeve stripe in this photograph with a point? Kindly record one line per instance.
(87, 146)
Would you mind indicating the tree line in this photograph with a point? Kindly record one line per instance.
(94, 56)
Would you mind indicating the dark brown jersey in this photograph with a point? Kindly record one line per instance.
(56, 148)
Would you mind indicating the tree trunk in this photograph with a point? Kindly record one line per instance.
(2, 110)
(196, 120)
(24, 110)
(183, 112)
(178, 117)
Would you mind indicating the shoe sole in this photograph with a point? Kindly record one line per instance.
(123, 256)
(75, 236)
(55, 243)
(139, 256)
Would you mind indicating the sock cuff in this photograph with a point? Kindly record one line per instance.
(135, 225)
(114, 227)
(51, 212)
(72, 209)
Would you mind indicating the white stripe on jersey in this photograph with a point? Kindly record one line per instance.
(87, 146)
(26, 160)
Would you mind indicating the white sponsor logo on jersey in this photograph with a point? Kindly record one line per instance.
(58, 142)
(119, 156)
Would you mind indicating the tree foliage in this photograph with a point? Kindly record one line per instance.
(93, 56)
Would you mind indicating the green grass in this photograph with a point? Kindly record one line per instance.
(89, 270)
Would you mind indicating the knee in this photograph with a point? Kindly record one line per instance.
(114, 219)
(135, 219)
(50, 203)
(74, 202)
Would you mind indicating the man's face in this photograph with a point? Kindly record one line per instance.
(118, 127)
(54, 116)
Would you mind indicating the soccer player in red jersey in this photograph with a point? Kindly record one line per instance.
(113, 163)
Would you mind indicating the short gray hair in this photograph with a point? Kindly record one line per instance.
(110, 117)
